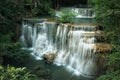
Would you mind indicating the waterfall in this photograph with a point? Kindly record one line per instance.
(45, 40)
(77, 50)
(73, 44)
(38, 36)
(76, 46)
(27, 34)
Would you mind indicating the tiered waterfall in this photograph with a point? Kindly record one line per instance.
(76, 46)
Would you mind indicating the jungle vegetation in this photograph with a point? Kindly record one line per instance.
(108, 16)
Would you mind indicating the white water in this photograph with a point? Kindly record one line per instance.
(74, 50)
(44, 43)
(78, 53)
(73, 44)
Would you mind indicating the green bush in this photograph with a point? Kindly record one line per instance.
(113, 67)
(13, 11)
(12, 73)
(66, 16)
(115, 75)
(107, 13)
(113, 61)
(11, 51)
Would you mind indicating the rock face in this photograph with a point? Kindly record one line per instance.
(49, 57)
(102, 48)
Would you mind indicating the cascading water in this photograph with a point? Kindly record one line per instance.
(45, 40)
(27, 35)
(74, 45)
(39, 36)
(77, 50)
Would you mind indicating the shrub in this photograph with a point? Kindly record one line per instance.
(115, 75)
(12, 73)
(113, 61)
(11, 51)
(66, 16)
(113, 67)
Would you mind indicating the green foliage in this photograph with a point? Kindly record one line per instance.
(108, 13)
(113, 61)
(66, 16)
(113, 67)
(38, 7)
(11, 51)
(91, 3)
(5, 38)
(110, 76)
(12, 73)
(113, 38)
(52, 12)
(13, 11)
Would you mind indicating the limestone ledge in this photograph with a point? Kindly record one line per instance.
(89, 34)
(80, 25)
(102, 47)
(94, 34)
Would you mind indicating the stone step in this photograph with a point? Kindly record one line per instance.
(85, 27)
(98, 47)
(80, 25)
(95, 34)
(88, 33)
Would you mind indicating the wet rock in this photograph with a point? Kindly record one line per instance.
(49, 57)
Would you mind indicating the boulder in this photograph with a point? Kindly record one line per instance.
(49, 57)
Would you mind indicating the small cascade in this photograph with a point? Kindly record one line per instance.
(61, 42)
(81, 12)
(84, 12)
(75, 46)
(77, 50)
(45, 41)
(38, 36)
(27, 34)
